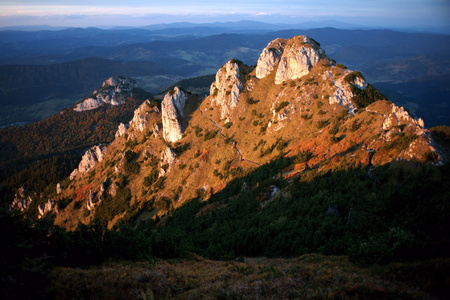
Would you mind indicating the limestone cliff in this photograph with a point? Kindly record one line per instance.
(343, 92)
(121, 129)
(114, 91)
(89, 160)
(227, 87)
(141, 117)
(172, 109)
(291, 58)
(167, 161)
(43, 210)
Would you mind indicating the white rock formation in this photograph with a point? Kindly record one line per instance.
(155, 128)
(291, 58)
(90, 205)
(89, 160)
(398, 116)
(73, 174)
(114, 92)
(226, 89)
(43, 210)
(113, 189)
(343, 93)
(20, 201)
(167, 157)
(172, 109)
(270, 57)
(140, 118)
(121, 129)
(58, 188)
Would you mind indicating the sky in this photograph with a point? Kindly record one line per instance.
(424, 14)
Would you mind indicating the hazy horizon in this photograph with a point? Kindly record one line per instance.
(432, 15)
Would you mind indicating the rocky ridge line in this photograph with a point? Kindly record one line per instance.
(113, 92)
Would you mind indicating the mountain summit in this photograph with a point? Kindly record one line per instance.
(296, 106)
(113, 91)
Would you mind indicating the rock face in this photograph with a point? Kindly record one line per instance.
(399, 116)
(270, 57)
(343, 93)
(291, 58)
(121, 130)
(58, 188)
(91, 204)
(167, 158)
(114, 91)
(227, 87)
(172, 109)
(89, 160)
(140, 118)
(45, 209)
(20, 201)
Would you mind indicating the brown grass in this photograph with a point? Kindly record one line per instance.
(307, 277)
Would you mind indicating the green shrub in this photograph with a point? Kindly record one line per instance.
(322, 123)
(281, 106)
(151, 178)
(350, 77)
(401, 142)
(250, 100)
(333, 130)
(131, 167)
(302, 157)
(366, 97)
(210, 134)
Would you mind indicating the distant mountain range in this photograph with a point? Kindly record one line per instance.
(170, 52)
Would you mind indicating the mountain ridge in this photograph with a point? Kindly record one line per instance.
(337, 117)
(318, 167)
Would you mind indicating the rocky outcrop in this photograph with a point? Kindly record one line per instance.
(121, 130)
(141, 116)
(172, 110)
(167, 159)
(89, 160)
(343, 92)
(20, 200)
(291, 58)
(114, 91)
(91, 203)
(59, 190)
(43, 210)
(270, 57)
(155, 129)
(226, 89)
(398, 116)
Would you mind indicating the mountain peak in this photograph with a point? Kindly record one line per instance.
(297, 106)
(114, 91)
(292, 58)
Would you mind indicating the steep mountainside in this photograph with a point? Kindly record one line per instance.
(38, 154)
(297, 106)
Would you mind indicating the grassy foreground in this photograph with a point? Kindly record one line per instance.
(307, 277)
